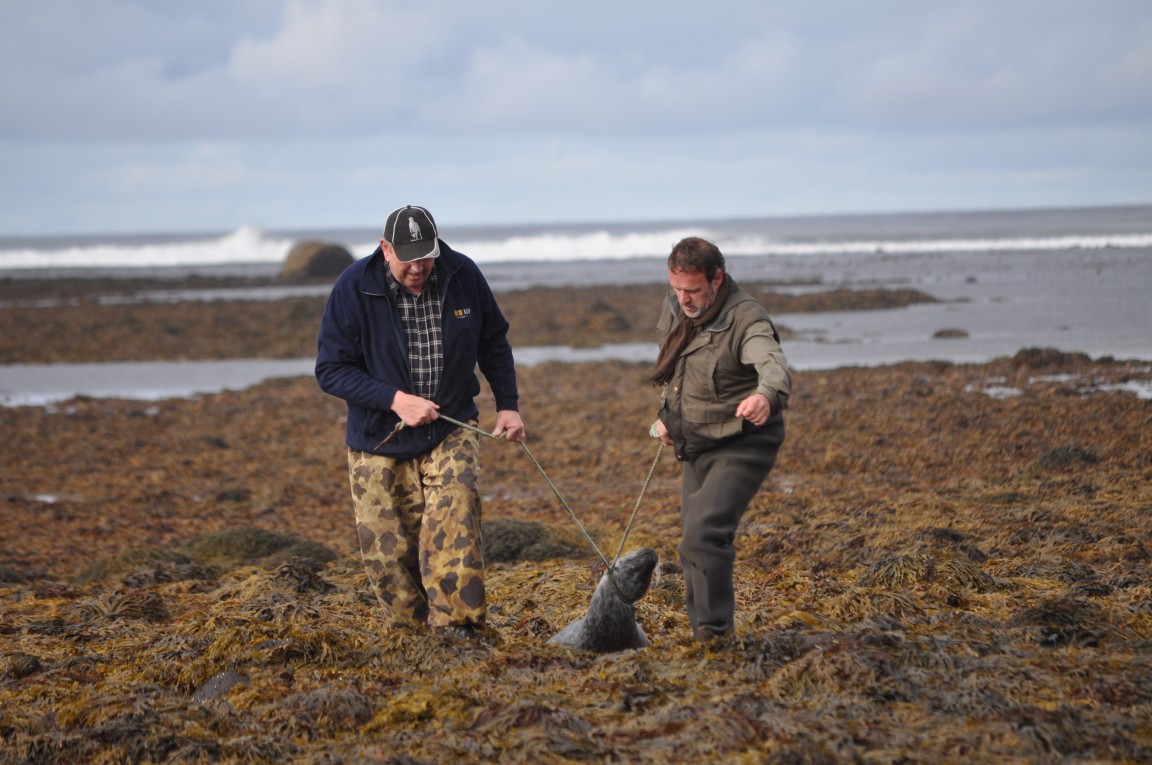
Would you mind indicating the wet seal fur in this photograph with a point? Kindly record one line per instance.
(610, 623)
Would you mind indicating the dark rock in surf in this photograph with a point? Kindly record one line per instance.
(315, 260)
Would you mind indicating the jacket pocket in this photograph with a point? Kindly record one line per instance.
(699, 400)
(370, 421)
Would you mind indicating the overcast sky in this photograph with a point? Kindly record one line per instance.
(158, 115)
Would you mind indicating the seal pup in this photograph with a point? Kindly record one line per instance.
(610, 624)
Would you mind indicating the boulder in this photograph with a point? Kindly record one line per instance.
(311, 260)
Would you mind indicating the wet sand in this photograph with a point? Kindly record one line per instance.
(932, 574)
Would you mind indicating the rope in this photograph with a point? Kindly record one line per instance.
(548, 480)
(610, 568)
(636, 507)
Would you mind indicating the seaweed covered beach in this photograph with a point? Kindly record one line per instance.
(950, 562)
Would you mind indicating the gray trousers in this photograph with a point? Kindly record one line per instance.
(716, 488)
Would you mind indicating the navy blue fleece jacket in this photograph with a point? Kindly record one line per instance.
(362, 353)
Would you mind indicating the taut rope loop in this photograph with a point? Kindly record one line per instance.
(546, 479)
(609, 567)
(639, 499)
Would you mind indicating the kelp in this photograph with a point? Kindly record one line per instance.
(930, 575)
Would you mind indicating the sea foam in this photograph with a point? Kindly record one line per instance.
(250, 245)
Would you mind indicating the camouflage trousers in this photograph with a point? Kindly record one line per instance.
(419, 526)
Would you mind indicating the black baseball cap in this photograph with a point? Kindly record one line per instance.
(412, 233)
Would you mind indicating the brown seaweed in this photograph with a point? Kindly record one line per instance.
(930, 575)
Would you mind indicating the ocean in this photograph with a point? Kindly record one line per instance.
(1075, 280)
(539, 250)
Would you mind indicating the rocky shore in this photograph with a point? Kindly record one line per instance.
(137, 320)
(936, 571)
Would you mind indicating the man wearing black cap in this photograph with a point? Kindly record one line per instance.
(402, 335)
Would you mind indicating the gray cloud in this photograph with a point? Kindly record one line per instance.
(121, 114)
(82, 70)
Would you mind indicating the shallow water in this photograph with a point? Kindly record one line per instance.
(45, 384)
(1091, 301)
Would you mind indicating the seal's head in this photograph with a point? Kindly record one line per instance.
(633, 573)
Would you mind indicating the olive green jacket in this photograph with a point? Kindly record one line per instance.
(735, 356)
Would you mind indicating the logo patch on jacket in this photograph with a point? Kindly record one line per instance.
(462, 313)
